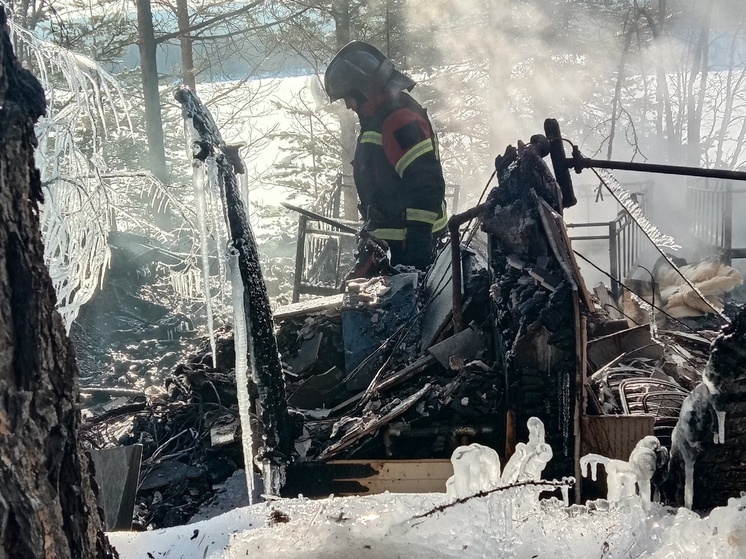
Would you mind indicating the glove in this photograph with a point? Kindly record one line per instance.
(419, 250)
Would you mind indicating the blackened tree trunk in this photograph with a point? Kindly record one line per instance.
(47, 502)
(264, 356)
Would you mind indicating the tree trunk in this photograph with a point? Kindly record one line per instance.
(341, 14)
(264, 355)
(731, 90)
(187, 58)
(149, 69)
(694, 105)
(617, 100)
(47, 503)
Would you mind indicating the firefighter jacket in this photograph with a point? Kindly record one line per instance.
(397, 171)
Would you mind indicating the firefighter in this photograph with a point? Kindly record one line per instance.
(396, 168)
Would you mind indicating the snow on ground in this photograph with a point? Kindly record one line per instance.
(507, 520)
(385, 526)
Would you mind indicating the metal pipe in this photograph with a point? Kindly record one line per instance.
(578, 162)
(456, 277)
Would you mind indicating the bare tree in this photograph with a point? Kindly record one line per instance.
(149, 69)
(695, 98)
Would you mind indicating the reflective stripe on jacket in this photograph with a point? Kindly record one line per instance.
(397, 170)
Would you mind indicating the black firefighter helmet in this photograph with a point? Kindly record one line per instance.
(360, 67)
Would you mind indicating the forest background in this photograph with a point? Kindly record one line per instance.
(658, 80)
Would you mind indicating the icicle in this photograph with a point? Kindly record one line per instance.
(635, 211)
(273, 476)
(217, 213)
(241, 346)
(659, 240)
(198, 180)
(688, 482)
(593, 460)
(720, 437)
(529, 459)
(565, 489)
(244, 184)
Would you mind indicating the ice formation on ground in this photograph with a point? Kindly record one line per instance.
(507, 522)
(475, 468)
(529, 459)
(390, 526)
(628, 478)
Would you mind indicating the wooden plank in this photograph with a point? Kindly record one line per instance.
(613, 436)
(366, 477)
(368, 426)
(408, 476)
(117, 472)
(308, 307)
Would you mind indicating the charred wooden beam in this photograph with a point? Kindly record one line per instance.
(535, 325)
(265, 357)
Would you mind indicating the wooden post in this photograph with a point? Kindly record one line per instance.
(264, 355)
(300, 260)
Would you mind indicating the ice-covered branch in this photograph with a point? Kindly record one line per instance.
(76, 216)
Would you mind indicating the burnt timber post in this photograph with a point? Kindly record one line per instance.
(538, 300)
(265, 356)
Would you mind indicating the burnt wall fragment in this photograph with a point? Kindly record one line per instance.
(534, 299)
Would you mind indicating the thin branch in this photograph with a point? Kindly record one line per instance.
(461, 500)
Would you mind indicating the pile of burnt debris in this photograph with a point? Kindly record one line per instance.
(411, 365)
(135, 329)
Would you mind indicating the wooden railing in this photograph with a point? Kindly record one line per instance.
(324, 254)
(710, 204)
(625, 240)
